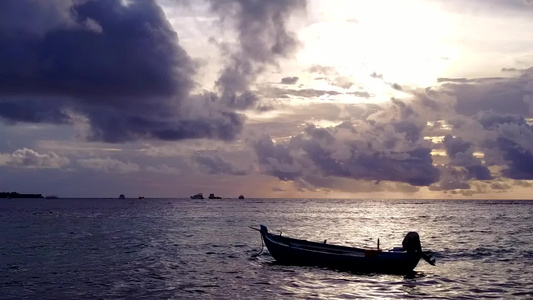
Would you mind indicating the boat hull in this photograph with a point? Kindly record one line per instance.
(304, 253)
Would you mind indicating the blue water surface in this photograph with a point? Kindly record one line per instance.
(203, 249)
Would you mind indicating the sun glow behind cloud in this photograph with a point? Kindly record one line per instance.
(404, 41)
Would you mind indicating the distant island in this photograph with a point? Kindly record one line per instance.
(17, 195)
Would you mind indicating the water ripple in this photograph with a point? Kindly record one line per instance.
(183, 249)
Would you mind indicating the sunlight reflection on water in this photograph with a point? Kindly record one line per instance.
(160, 248)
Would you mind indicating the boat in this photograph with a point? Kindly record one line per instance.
(121, 196)
(51, 197)
(197, 196)
(241, 197)
(291, 251)
(212, 196)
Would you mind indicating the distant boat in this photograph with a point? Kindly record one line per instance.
(197, 196)
(121, 196)
(141, 197)
(241, 197)
(212, 196)
(51, 197)
(292, 251)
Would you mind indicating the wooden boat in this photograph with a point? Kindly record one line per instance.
(292, 251)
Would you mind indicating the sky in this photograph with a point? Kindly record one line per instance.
(401, 99)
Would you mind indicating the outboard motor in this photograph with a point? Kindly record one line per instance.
(411, 244)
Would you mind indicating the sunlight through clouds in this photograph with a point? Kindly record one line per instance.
(284, 97)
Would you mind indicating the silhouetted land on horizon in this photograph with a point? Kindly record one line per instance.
(17, 195)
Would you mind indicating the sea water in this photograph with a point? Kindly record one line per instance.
(204, 249)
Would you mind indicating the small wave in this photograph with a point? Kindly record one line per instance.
(477, 253)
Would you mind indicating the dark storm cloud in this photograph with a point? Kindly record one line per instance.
(501, 95)
(388, 144)
(276, 160)
(118, 65)
(491, 120)
(512, 139)
(135, 54)
(31, 110)
(455, 145)
(263, 39)
(506, 140)
(289, 80)
(369, 151)
(520, 160)
(33, 17)
(451, 179)
(115, 126)
(460, 154)
(488, 115)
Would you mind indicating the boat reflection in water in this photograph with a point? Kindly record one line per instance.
(400, 260)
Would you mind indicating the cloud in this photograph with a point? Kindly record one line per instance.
(506, 95)
(273, 92)
(397, 87)
(366, 150)
(118, 66)
(460, 154)
(262, 39)
(332, 76)
(276, 160)
(28, 158)
(33, 17)
(519, 160)
(490, 113)
(376, 75)
(387, 143)
(360, 94)
(506, 140)
(289, 80)
(164, 169)
(108, 165)
(216, 165)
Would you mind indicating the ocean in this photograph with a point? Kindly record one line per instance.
(204, 249)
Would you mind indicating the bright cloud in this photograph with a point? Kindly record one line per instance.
(28, 158)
